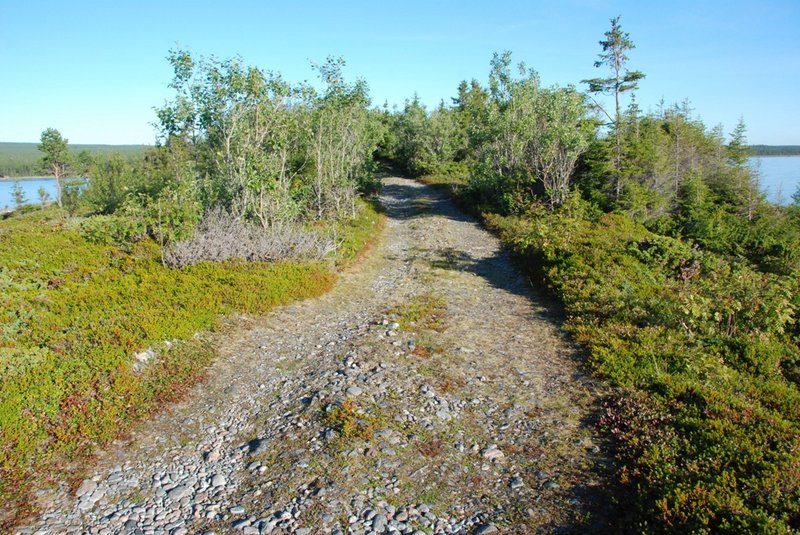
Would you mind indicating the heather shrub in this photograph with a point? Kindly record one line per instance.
(221, 237)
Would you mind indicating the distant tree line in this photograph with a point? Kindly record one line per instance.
(775, 150)
(24, 159)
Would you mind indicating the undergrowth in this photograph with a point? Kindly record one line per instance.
(704, 350)
(74, 311)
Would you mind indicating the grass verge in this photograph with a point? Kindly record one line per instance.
(72, 315)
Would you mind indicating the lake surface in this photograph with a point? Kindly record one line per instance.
(779, 176)
(31, 188)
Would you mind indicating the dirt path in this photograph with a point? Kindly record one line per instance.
(428, 393)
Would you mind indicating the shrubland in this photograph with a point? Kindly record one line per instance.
(677, 277)
(251, 199)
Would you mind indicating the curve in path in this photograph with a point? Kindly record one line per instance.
(430, 391)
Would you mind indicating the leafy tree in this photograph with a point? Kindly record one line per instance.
(614, 55)
(562, 135)
(411, 126)
(529, 137)
(44, 196)
(343, 139)
(243, 139)
(82, 163)
(56, 158)
(111, 182)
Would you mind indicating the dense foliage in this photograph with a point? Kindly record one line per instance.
(677, 276)
(520, 141)
(235, 139)
(247, 141)
(249, 201)
(704, 347)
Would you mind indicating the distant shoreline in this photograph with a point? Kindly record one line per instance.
(23, 178)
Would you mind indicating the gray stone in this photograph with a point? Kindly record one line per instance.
(218, 481)
(379, 522)
(237, 510)
(492, 453)
(516, 482)
(178, 492)
(355, 391)
(484, 529)
(87, 487)
(302, 531)
(551, 484)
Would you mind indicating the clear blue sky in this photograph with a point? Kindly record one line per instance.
(95, 70)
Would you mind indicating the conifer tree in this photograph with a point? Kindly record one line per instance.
(614, 55)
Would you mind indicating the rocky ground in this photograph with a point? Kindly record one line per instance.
(429, 392)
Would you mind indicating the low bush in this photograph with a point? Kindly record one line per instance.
(707, 424)
(113, 229)
(221, 237)
(74, 311)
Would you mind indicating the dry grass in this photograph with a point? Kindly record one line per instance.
(222, 237)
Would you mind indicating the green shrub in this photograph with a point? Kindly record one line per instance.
(707, 427)
(113, 229)
(74, 311)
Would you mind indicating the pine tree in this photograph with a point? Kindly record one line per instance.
(615, 47)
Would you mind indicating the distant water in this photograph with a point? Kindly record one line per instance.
(30, 186)
(779, 176)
